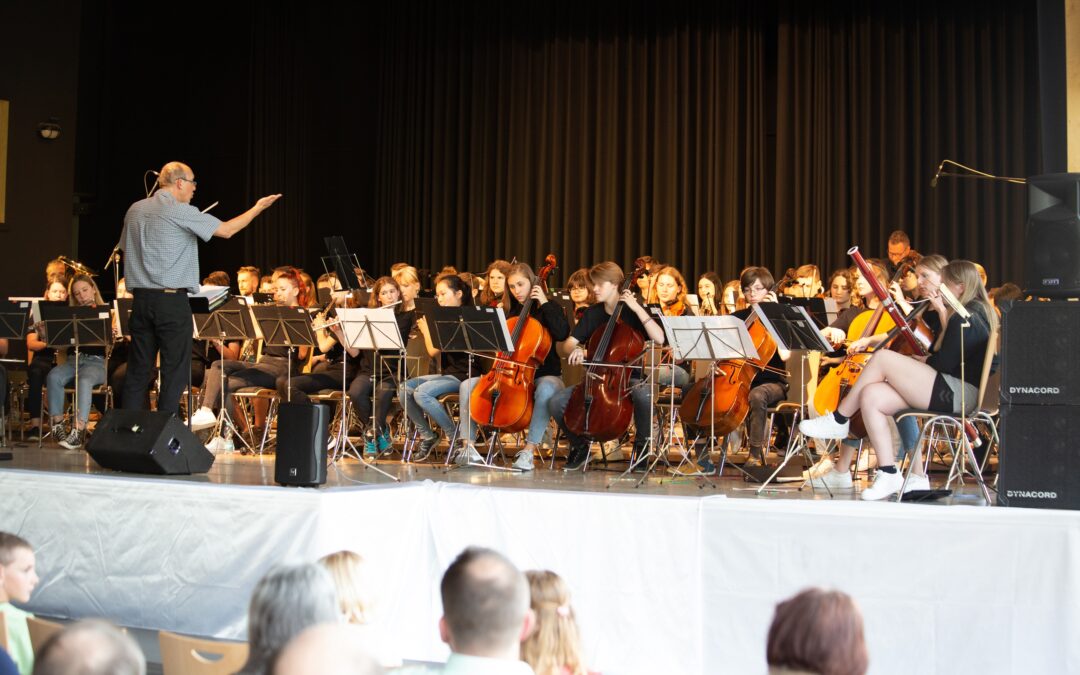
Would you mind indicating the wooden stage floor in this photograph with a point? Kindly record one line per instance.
(255, 470)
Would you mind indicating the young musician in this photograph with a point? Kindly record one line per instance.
(409, 282)
(709, 288)
(806, 284)
(581, 294)
(606, 278)
(386, 293)
(83, 292)
(732, 300)
(247, 280)
(420, 395)
(43, 358)
(892, 381)
(494, 293)
(840, 289)
(274, 362)
(523, 284)
(768, 387)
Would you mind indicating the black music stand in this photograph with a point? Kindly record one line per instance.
(710, 339)
(343, 264)
(13, 317)
(230, 321)
(822, 310)
(77, 327)
(477, 331)
(792, 328)
(284, 327)
(374, 329)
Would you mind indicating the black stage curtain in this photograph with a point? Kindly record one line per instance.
(711, 137)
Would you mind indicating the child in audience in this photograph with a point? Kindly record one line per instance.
(353, 583)
(17, 581)
(817, 631)
(554, 647)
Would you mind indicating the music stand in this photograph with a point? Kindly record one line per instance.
(471, 329)
(284, 327)
(792, 328)
(373, 329)
(822, 310)
(711, 339)
(342, 263)
(13, 317)
(77, 327)
(231, 321)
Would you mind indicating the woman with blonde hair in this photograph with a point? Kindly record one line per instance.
(554, 647)
(348, 571)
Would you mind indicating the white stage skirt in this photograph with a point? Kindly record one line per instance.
(661, 584)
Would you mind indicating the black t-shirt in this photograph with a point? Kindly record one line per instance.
(764, 376)
(406, 320)
(552, 318)
(976, 337)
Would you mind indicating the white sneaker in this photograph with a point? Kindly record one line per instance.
(468, 455)
(524, 460)
(834, 480)
(203, 418)
(217, 445)
(917, 482)
(885, 485)
(825, 426)
(823, 467)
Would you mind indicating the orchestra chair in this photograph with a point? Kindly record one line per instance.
(183, 655)
(341, 404)
(41, 630)
(246, 400)
(945, 431)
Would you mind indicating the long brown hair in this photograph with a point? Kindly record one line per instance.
(818, 631)
(489, 299)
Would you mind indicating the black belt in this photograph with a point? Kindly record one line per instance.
(136, 291)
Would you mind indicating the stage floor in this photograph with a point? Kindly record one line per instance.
(676, 576)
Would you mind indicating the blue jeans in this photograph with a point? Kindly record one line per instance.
(91, 374)
(546, 387)
(421, 395)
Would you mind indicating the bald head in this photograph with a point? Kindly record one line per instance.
(326, 649)
(90, 647)
(179, 179)
(485, 604)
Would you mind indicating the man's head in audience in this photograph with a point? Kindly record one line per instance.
(326, 649)
(91, 647)
(485, 605)
(18, 575)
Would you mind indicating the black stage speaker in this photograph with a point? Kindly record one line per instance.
(301, 444)
(140, 441)
(1052, 237)
(1040, 347)
(1040, 456)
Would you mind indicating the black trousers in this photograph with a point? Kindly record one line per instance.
(160, 321)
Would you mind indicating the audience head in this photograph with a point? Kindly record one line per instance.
(287, 600)
(485, 605)
(18, 572)
(817, 631)
(554, 646)
(90, 647)
(325, 649)
(347, 569)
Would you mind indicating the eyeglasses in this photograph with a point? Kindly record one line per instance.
(190, 180)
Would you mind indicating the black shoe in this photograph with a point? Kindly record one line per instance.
(641, 460)
(579, 454)
(427, 446)
(33, 434)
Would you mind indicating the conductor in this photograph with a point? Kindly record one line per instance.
(161, 266)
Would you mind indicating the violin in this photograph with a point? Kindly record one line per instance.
(503, 398)
(600, 408)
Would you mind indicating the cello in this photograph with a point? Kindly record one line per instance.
(600, 408)
(722, 401)
(503, 398)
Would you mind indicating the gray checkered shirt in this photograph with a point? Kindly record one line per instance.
(160, 245)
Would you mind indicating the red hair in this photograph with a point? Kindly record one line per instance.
(293, 275)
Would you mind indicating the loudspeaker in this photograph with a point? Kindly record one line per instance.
(1040, 341)
(1052, 236)
(301, 444)
(140, 441)
(1040, 457)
